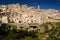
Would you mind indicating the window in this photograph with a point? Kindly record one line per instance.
(0, 10)
(19, 21)
(0, 21)
(50, 17)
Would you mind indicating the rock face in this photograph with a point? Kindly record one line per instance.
(15, 13)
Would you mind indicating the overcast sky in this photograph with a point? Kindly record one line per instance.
(44, 4)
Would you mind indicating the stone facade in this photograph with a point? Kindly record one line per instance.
(15, 13)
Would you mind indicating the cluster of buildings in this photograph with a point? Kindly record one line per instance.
(15, 13)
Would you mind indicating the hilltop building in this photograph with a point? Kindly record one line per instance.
(15, 13)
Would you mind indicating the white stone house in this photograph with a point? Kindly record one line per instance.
(4, 19)
(16, 20)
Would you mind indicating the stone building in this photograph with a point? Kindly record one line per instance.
(15, 13)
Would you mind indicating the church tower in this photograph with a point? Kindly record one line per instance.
(38, 7)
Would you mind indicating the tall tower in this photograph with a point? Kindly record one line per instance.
(38, 7)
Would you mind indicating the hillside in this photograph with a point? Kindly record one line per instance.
(16, 13)
(47, 31)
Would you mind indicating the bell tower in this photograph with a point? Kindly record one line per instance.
(38, 7)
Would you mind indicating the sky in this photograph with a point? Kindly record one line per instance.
(44, 4)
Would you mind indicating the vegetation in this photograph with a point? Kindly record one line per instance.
(7, 34)
(52, 31)
(47, 31)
